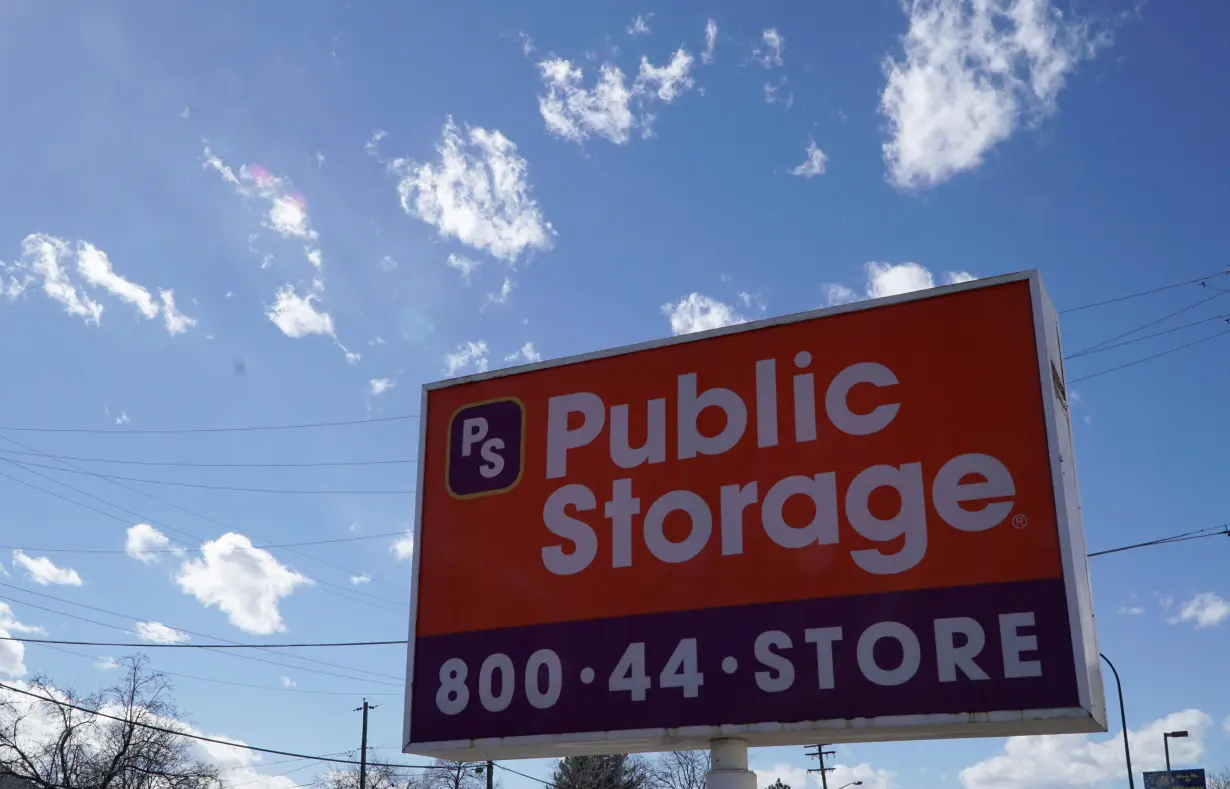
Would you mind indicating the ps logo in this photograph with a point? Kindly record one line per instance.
(486, 448)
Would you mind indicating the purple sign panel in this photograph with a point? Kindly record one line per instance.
(956, 650)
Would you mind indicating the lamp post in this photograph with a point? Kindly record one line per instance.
(1127, 749)
(852, 783)
(1166, 744)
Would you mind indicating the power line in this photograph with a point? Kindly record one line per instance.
(159, 645)
(181, 550)
(186, 430)
(1148, 358)
(189, 464)
(202, 738)
(1153, 322)
(332, 588)
(205, 486)
(130, 617)
(214, 680)
(526, 775)
(1214, 531)
(1223, 317)
(1144, 292)
(344, 593)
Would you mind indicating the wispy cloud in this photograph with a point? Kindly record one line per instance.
(158, 633)
(45, 572)
(698, 312)
(640, 25)
(526, 353)
(813, 164)
(711, 34)
(889, 279)
(378, 386)
(606, 110)
(477, 193)
(66, 272)
(769, 54)
(968, 74)
(468, 355)
(1204, 610)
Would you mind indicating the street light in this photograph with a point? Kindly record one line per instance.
(1166, 743)
(1127, 749)
(852, 783)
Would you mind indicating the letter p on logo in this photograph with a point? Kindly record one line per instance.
(486, 448)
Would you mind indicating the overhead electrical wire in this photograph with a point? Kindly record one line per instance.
(187, 430)
(214, 680)
(1153, 322)
(341, 591)
(188, 464)
(1148, 358)
(1224, 317)
(207, 486)
(325, 586)
(1213, 531)
(177, 551)
(1149, 292)
(130, 617)
(202, 738)
(159, 645)
(349, 594)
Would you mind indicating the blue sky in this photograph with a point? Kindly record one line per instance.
(245, 214)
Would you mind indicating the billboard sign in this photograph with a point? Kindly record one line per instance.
(855, 524)
(1175, 779)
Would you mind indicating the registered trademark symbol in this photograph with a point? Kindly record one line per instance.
(1020, 521)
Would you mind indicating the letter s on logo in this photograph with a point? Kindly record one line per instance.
(495, 461)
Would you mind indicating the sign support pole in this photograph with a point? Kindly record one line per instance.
(728, 766)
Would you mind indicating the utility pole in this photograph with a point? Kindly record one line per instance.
(820, 753)
(363, 745)
(490, 774)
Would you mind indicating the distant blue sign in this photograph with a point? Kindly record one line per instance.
(1175, 779)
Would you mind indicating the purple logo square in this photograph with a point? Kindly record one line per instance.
(486, 448)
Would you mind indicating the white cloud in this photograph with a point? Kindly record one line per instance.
(502, 296)
(297, 316)
(44, 572)
(373, 144)
(320, 159)
(175, 321)
(814, 164)
(53, 261)
(842, 775)
(697, 312)
(779, 93)
(667, 82)
(478, 193)
(158, 633)
(1204, 610)
(287, 682)
(711, 32)
(285, 210)
(360, 579)
(527, 43)
(95, 267)
(1131, 610)
(145, 543)
(575, 112)
(123, 418)
(970, 71)
(888, 279)
(773, 43)
(13, 653)
(403, 546)
(465, 266)
(525, 353)
(387, 263)
(108, 663)
(467, 354)
(1077, 760)
(640, 25)
(244, 582)
(378, 386)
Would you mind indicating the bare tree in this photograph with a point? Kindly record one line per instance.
(1218, 780)
(54, 746)
(678, 770)
(379, 776)
(446, 774)
(611, 771)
